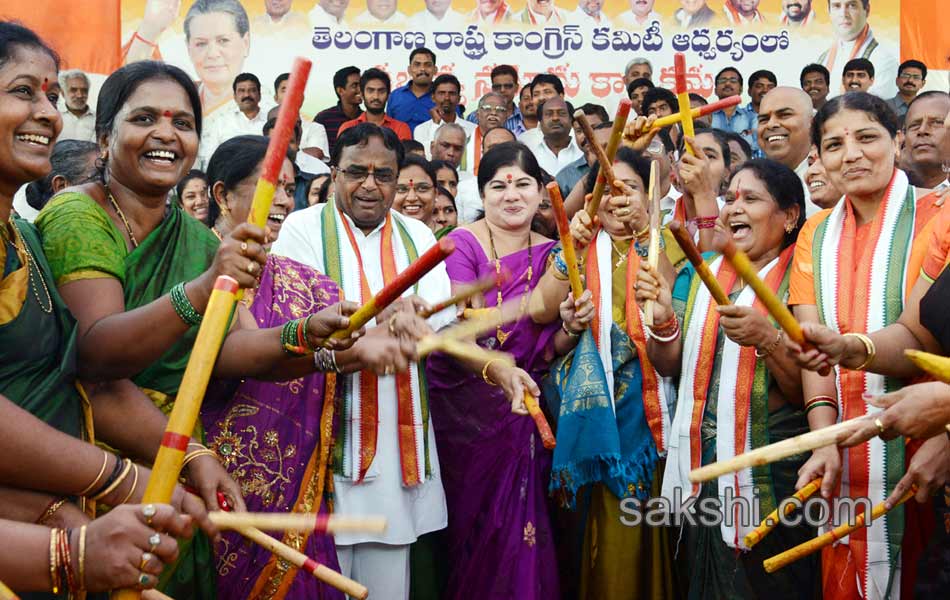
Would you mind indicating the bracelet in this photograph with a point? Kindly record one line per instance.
(95, 482)
(667, 326)
(196, 454)
(771, 347)
(183, 307)
(51, 509)
(705, 222)
(54, 561)
(135, 482)
(324, 360)
(815, 403)
(869, 348)
(643, 232)
(112, 477)
(66, 558)
(115, 484)
(485, 371)
(560, 265)
(568, 331)
(290, 338)
(138, 36)
(82, 558)
(667, 338)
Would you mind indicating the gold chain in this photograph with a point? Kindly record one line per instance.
(31, 265)
(128, 228)
(500, 334)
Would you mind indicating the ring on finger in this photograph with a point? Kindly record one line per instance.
(244, 248)
(145, 580)
(251, 267)
(146, 557)
(153, 541)
(148, 511)
(880, 426)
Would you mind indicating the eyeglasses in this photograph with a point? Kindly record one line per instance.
(656, 148)
(355, 174)
(727, 80)
(500, 110)
(421, 188)
(502, 86)
(911, 76)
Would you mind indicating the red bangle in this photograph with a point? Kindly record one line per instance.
(137, 36)
(705, 222)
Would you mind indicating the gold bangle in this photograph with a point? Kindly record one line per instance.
(643, 232)
(193, 455)
(115, 484)
(50, 511)
(82, 558)
(135, 482)
(53, 567)
(95, 482)
(869, 348)
(485, 371)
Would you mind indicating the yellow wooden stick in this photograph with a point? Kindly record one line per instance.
(772, 520)
(6, 593)
(326, 524)
(938, 366)
(814, 545)
(184, 415)
(472, 327)
(653, 256)
(471, 350)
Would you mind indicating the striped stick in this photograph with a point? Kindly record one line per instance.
(696, 113)
(544, 430)
(6, 593)
(771, 521)
(567, 242)
(682, 96)
(467, 291)
(616, 135)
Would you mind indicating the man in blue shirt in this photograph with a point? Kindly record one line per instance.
(412, 102)
(738, 119)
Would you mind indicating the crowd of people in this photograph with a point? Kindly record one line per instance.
(836, 199)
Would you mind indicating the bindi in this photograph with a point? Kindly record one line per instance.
(411, 184)
(167, 114)
(509, 178)
(45, 86)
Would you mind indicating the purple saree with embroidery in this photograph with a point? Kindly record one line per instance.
(494, 468)
(274, 439)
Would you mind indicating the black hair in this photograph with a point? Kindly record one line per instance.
(913, 64)
(604, 125)
(375, 74)
(721, 140)
(504, 70)
(231, 7)
(13, 36)
(421, 50)
(340, 77)
(666, 139)
(324, 192)
(192, 174)
(441, 191)
(280, 79)
(866, 3)
(445, 78)
(414, 160)
(551, 79)
(513, 136)
(232, 162)
(763, 73)
(784, 186)
(699, 98)
(594, 110)
(859, 64)
(927, 95)
(639, 82)
(655, 94)
(507, 154)
(438, 165)
(630, 157)
(272, 122)
(360, 134)
(875, 108)
(247, 77)
(125, 80)
(732, 136)
(733, 69)
(568, 106)
(409, 146)
(815, 68)
(70, 160)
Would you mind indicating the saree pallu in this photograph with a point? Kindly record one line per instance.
(495, 469)
(81, 242)
(274, 438)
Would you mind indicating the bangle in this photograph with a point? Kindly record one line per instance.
(183, 307)
(63, 558)
(560, 265)
(196, 454)
(290, 338)
(665, 339)
(643, 232)
(869, 348)
(667, 327)
(82, 558)
(570, 333)
(135, 482)
(51, 509)
(54, 561)
(95, 482)
(816, 402)
(705, 222)
(324, 360)
(771, 347)
(138, 36)
(118, 481)
(112, 477)
(485, 371)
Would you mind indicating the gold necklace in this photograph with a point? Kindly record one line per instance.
(128, 228)
(622, 255)
(31, 265)
(500, 334)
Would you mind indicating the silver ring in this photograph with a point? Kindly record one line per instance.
(153, 541)
(146, 557)
(251, 267)
(149, 511)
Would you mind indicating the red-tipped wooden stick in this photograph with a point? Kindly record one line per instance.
(567, 242)
(544, 430)
(682, 95)
(616, 135)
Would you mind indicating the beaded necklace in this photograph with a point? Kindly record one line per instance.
(19, 245)
(128, 228)
(500, 334)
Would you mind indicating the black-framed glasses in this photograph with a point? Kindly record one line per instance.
(356, 174)
(911, 76)
(728, 80)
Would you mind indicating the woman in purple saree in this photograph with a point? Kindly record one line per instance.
(495, 469)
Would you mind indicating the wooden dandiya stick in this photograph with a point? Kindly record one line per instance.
(305, 563)
(471, 350)
(154, 595)
(467, 291)
(682, 96)
(806, 442)
(567, 241)
(696, 113)
(184, 415)
(386, 296)
(479, 313)
(653, 254)
(607, 163)
(814, 545)
(685, 242)
(932, 364)
(293, 521)
(487, 320)
(6, 593)
(772, 520)
(544, 430)
(616, 135)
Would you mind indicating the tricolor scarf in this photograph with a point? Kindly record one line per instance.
(864, 294)
(864, 45)
(356, 437)
(742, 399)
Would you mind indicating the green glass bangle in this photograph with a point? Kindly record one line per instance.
(183, 306)
(817, 403)
(288, 339)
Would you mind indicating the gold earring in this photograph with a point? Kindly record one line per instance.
(789, 227)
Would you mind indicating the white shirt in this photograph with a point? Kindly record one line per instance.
(410, 512)
(78, 128)
(883, 57)
(426, 21)
(397, 19)
(529, 16)
(468, 202)
(315, 136)
(321, 18)
(231, 123)
(551, 162)
(629, 19)
(425, 133)
(579, 17)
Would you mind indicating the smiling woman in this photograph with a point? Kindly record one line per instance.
(415, 189)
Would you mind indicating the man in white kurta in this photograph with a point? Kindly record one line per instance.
(362, 208)
(854, 38)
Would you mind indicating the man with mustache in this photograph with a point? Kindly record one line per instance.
(492, 113)
(797, 13)
(489, 13)
(541, 12)
(79, 120)
(557, 148)
(854, 38)
(740, 119)
(412, 102)
(923, 128)
(329, 13)
(244, 118)
(588, 14)
(446, 91)
(742, 11)
(815, 80)
(381, 12)
(694, 13)
(911, 78)
(278, 19)
(858, 75)
(640, 15)
(374, 89)
(437, 16)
